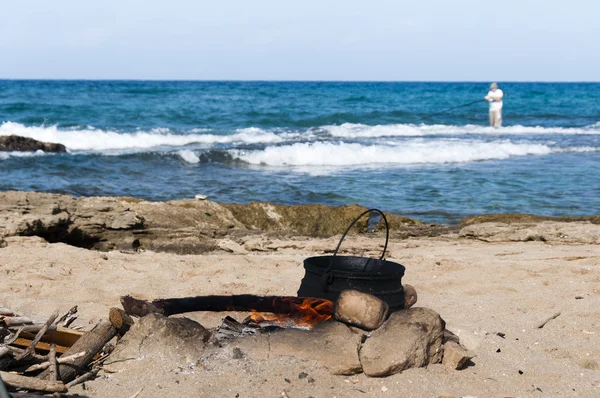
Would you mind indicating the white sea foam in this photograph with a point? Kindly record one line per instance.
(414, 152)
(351, 130)
(6, 155)
(189, 156)
(91, 139)
(115, 143)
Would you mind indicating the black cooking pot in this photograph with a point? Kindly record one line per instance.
(327, 276)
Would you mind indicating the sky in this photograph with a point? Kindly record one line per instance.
(382, 40)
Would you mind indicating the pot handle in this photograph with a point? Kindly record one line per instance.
(327, 278)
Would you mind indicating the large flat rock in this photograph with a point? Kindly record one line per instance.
(332, 345)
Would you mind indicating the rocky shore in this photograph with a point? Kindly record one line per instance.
(193, 226)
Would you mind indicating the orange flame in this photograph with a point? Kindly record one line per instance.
(296, 312)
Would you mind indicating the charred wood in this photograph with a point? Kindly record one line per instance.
(243, 302)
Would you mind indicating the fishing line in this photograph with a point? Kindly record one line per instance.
(456, 107)
(460, 106)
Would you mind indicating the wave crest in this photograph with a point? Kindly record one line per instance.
(353, 130)
(92, 139)
(350, 154)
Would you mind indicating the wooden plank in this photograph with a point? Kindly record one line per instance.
(61, 336)
(41, 346)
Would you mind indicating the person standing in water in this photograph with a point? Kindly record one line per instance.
(494, 97)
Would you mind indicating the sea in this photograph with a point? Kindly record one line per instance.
(419, 149)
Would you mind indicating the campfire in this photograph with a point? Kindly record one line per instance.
(349, 313)
(303, 313)
(314, 329)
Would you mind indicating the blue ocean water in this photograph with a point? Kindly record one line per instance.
(384, 145)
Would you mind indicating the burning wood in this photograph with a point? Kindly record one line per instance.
(302, 311)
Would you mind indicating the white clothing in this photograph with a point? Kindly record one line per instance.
(492, 96)
(495, 117)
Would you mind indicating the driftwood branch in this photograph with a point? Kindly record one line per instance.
(6, 312)
(84, 377)
(243, 302)
(17, 321)
(91, 343)
(17, 351)
(69, 314)
(30, 383)
(52, 363)
(48, 363)
(31, 349)
(32, 328)
(14, 337)
(4, 350)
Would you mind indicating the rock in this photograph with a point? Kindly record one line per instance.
(230, 246)
(410, 296)
(332, 345)
(449, 336)
(10, 143)
(127, 220)
(468, 338)
(523, 218)
(177, 339)
(585, 232)
(311, 220)
(409, 338)
(361, 309)
(185, 227)
(455, 355)
(3, 243)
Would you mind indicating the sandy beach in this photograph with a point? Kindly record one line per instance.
(493, 293)
(177, 179)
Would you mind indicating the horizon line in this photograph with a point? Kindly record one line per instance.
(295, 80)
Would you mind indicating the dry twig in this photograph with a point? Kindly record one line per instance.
(543, 323)
(84, 377)
(48, 363)
(70, 313)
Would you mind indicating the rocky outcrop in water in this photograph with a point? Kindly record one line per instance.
(12, 143)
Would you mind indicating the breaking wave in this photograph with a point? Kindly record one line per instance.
(416, 152)
(91, 139)
(352, 130)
